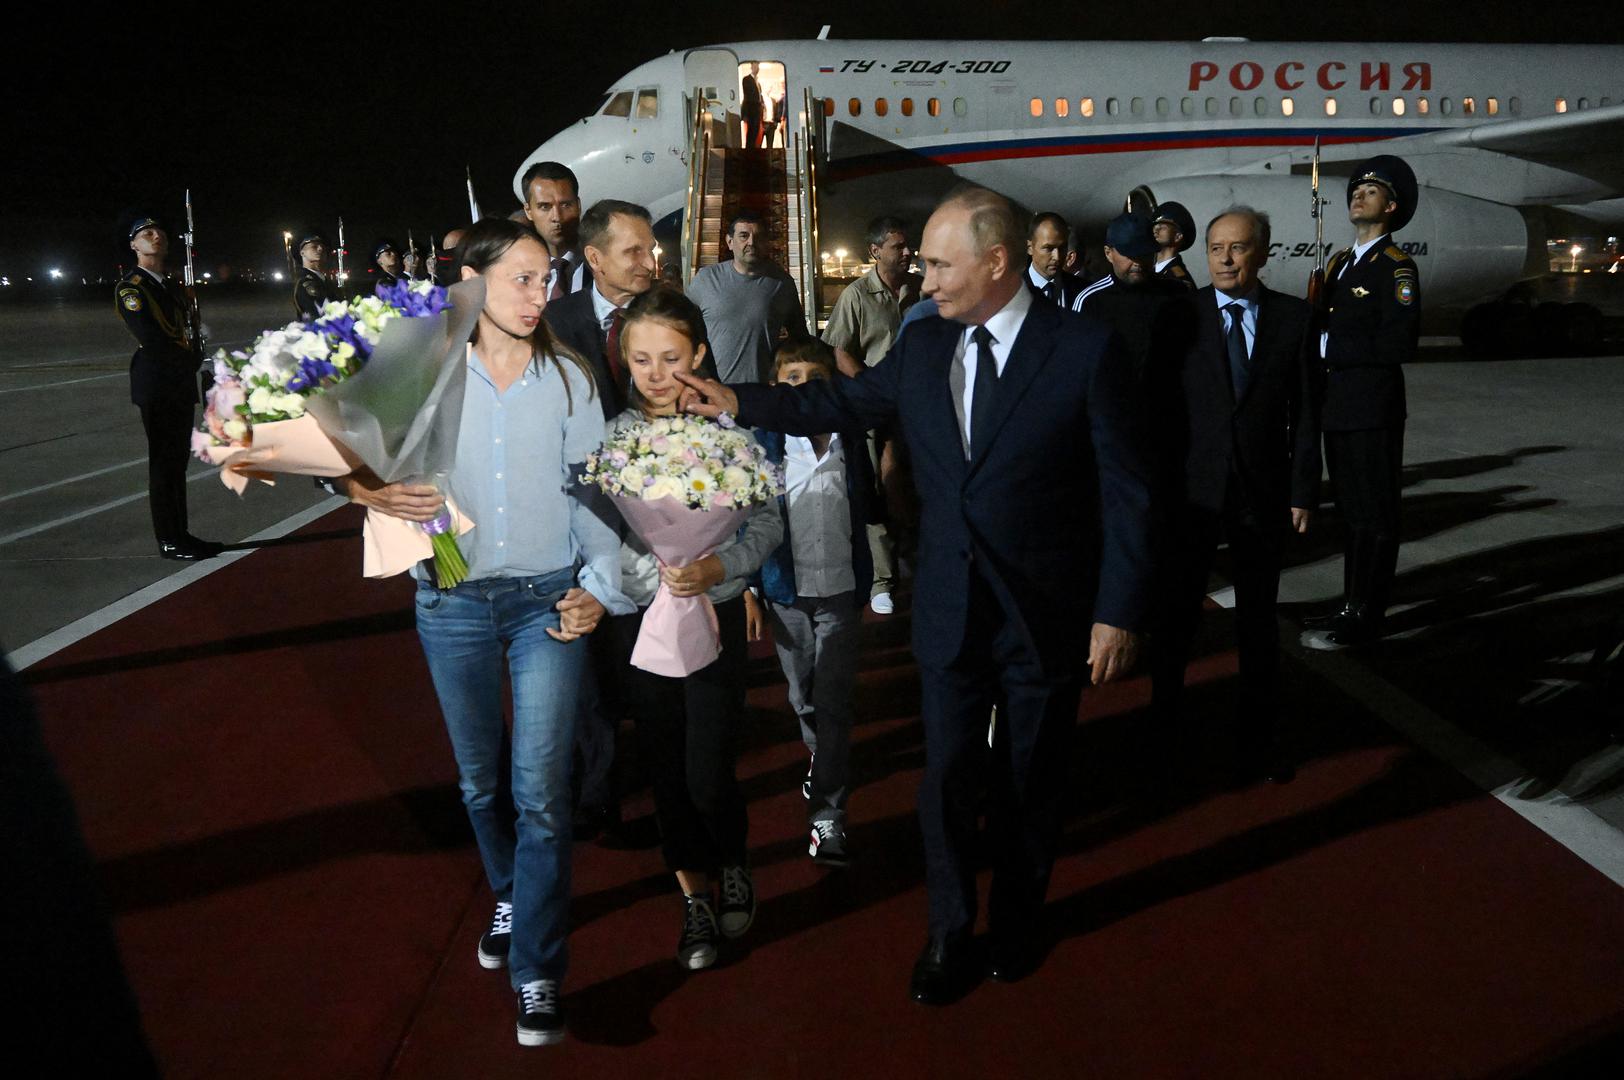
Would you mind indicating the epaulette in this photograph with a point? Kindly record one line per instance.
(134, 278)
(1394, 252)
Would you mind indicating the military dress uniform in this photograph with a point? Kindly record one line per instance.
(1372, 327)
(1174, 269)
(311, 290)
(163, 385)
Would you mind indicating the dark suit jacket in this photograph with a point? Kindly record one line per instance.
(573, 322)
(164, 367)
(1070, 286)
(1054, 508)
(1268, 441)
(1374, 320)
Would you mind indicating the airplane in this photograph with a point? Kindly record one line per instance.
(1512, 144)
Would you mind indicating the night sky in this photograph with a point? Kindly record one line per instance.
(295, 113)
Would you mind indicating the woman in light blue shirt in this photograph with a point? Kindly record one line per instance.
(543, 569)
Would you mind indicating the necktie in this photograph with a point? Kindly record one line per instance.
(1240, 365)
(611, 349)
(1052, 291)
(986, 390)
(561, 278)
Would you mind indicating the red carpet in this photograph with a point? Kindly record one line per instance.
(263, 777)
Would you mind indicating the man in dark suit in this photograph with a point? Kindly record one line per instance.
(1372, 327)
(163, 385)
(1250, 470)
(617, 241)
(751, 107)
(1047, 243)
(1033, 556)
(552, 205)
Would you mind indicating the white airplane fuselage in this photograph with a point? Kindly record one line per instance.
(1073, 127)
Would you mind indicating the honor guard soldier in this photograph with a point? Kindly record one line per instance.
(1372, 325)
(384, 268)
(311, 289)
(1174, 229)
(163, 385)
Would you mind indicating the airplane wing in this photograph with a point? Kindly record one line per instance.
(1586, 142)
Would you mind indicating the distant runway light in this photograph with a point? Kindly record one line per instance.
(55, 273)
(277, 276)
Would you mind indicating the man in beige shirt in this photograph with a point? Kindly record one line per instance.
(861, 328)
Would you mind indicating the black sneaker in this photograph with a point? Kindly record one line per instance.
(696, 948)
(828, 846)
(738, 907)
(541, 1021)
(493, 944)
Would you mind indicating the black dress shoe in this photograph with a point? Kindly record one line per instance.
(190, 550)
(1354, 631)
(944, 972)
(1329, 620)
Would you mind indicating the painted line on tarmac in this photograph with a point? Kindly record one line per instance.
(65, 382)
(73, 479)
(83, 627)
(79, 515)
(1574, 826)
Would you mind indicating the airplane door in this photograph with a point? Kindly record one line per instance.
(716, 73)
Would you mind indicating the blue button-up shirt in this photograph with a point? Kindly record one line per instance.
(519, 452)
(1248, 305)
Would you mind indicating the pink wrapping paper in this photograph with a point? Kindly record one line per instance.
(299, 447)
(679, 634)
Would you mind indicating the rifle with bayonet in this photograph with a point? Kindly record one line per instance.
(194, 312)
(1316, 276)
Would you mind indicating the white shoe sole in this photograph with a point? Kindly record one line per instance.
(491, 963)
(698, 960)
(539, 1038)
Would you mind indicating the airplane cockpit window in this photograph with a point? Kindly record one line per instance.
(620, 104)
(648, 104)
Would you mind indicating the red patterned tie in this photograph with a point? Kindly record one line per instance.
(561, 277)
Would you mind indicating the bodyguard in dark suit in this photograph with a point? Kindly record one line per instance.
(617, 240)
(1047, 243)
(1250, 472)
(1372, 327)
(311, 287)
(163, 385)
(1033, 559)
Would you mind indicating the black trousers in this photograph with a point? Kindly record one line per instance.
(1254, 550)
(168, 425)
(1366, 469)
(687, 734)
(1023, 772)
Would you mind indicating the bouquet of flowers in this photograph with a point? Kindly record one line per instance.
(683, 484)
(376, 381)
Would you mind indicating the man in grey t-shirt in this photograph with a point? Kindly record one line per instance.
(749, 302)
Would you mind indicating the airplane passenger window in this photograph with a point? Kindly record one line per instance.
(620, 104)
(1260, 106)
(1187, 106)
(1494, 106)
(907, 106)
(1375, 106)
(934, 106)
(1330, 106)
(1137, 106)
(1421, 106)
(1584, 103)
(1235, 106)
(960, 107)
(1036, 107)
(648, 104)
(1287, 106)
(1162, 107)
(1515, 104)
(1468, 105)
(1062, 107)
(1085, 107)
(880, 106)
(1446, 106)
(855, 107)
(1112, 106)
(828, 106)
(1212, 106)
(1561, 104)
(1398, 106)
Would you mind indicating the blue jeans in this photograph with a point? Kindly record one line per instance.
(523, 831)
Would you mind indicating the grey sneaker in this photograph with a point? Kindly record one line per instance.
(493, 944)
(738, 908)
(828, 846)
(696, 948)
(541, 1022)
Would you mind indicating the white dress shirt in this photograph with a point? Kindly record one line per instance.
(819, 517)
(577, 270)
(1003, 327)
(602, 308)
